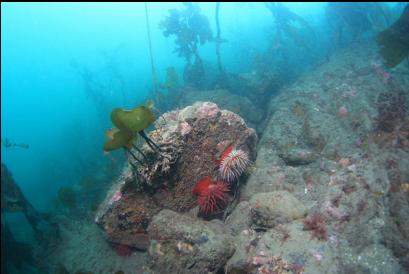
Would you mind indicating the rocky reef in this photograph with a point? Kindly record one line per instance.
(336, 140)
(327, 191)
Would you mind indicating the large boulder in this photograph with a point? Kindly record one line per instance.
(191, 139)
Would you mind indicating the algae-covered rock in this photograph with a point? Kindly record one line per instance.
(272, 208)
(183, 244)
(124, 215)
(285, 249)
(295, 246)
(191, 140)
(226, 100)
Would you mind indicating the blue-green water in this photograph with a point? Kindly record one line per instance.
(65, 66)
(43, 99)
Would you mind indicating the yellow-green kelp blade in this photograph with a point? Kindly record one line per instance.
(120, 138)
(134, 120)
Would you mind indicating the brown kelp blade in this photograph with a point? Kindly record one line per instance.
(394, 41)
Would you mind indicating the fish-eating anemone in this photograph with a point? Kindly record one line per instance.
(212, 195)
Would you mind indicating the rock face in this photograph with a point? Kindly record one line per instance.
(192, 140)
(183, 244)
(13, 200)
(337, 139)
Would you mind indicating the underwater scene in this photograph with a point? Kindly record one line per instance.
(205, 137)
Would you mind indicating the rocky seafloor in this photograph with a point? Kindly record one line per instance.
(328, 191)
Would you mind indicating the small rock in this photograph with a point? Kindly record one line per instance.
(272, 208)
(298, 156)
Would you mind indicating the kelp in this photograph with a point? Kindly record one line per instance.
(118, 139)
(134, 120)
(394, 41)
(128, 124)
(191, 29)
